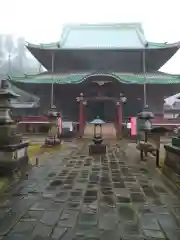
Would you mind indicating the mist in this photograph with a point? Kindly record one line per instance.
(15, 59)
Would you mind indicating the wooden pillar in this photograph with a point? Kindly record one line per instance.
(81, 114)
(81, 118)
(119, 118)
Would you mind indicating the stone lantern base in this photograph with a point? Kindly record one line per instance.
(13, 158)
(171, 166)
(52, 141)
(97, 149)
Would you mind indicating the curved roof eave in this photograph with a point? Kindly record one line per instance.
(126, 78)
(45, 46)
(56, 46)
(163, 45)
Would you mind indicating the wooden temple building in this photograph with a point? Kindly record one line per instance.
(91, 65)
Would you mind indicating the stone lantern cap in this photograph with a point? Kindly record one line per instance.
(97, 121)
(5, 91)
(146, 115)
(53, 113)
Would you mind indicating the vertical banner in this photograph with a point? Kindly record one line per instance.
(59, 124)
(133, 126)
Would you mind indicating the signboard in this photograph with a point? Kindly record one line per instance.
(133, 126)
(154, 140)
(21, 153)
(59, 124)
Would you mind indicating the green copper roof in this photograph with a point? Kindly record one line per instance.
(23, 95)
(104, 36)
(126, 78)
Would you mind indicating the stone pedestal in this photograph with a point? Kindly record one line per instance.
(52, 141)
(13, 151)
(97, 149)
(13, 157)
(171, 166)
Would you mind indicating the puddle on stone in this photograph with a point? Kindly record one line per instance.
(108, 221)
(92, 186)
(168, 221)
(148, 222)
(68, 181)
(89, 199)
(116, 179)
(135, 189)
(108, 201)
(68, 218)
(88, 218)
(137, 198)
(129, 180)
(61, 196)
(149, 192)
(32, 215)
(155, 202)
(131, 229)
(91, 194)
(106, 191)
(176, 211)
(52, 174)
(67, 186)
(76, 193)
(73, 205)
(123, 199)
(126, 213)
(86, 231)
(154, 234)
(119, 184)
(56, 182)
(160, 190)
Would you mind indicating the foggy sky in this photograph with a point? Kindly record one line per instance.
(41, 21)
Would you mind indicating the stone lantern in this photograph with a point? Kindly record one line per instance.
(13, 151)
(145, 123)
(53, 136)
(97, 147)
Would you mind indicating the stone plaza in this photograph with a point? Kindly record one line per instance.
(72, 195)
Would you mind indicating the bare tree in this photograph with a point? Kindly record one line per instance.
(1, 47)
(10, 48)
(21, 51)
(2, 54)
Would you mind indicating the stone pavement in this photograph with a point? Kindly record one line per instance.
(74, 196)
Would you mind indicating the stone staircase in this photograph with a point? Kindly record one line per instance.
(108, 130)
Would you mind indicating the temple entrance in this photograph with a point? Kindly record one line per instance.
(95, 109)
(101, 93)
(104, 108)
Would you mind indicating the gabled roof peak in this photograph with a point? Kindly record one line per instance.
(102, 35)
(102, 25)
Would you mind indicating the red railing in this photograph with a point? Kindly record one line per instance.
(34, 119)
